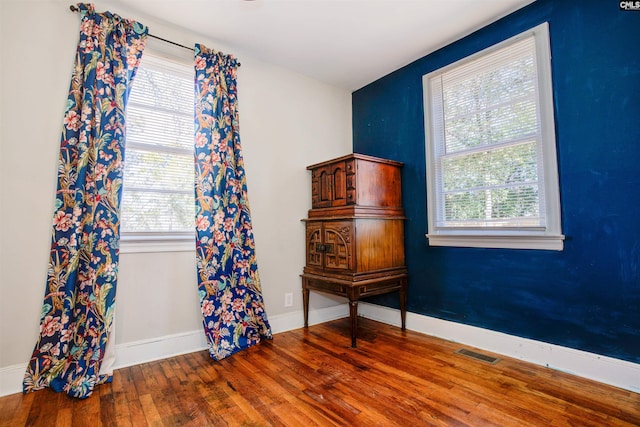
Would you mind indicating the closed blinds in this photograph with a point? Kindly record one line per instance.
(159, 172)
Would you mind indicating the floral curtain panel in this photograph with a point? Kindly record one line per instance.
(233, 311)
(77, 311)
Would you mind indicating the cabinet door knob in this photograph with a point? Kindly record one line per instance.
(320, 247)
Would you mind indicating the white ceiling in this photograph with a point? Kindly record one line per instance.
(347, 43)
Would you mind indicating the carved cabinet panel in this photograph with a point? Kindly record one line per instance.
(328, 185)
(314, 242)
(330, 245)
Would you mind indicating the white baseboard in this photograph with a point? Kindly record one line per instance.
(604, 369)
(295, 320)
(137, 352)
(143, 351)
(11, 378)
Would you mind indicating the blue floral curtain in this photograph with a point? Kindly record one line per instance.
(233, 311)
(77, 311)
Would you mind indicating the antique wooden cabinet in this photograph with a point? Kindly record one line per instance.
(355, 232)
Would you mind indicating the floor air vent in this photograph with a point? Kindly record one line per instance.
(478, 356)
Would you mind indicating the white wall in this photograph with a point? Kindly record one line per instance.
(287, 122)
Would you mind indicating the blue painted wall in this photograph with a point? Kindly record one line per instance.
(588, 296)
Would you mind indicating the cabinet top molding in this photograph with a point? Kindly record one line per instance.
(357, 156)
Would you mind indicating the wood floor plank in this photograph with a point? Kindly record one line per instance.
(107, 408)
(45, 406)
(312, 377)
(127, 400)
(151, 413)
(64, 417)
(15, 409)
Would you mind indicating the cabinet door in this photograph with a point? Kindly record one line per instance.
(314, 244)
(329, 186)
(339, 184)
(338, 245)
(324, 184)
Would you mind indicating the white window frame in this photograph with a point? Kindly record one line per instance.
(149, 242)
(549, 237)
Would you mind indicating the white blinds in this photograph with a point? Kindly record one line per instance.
(159, 172)
(486, 134)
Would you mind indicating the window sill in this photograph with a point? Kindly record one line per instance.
(156, 243)
(543, 242)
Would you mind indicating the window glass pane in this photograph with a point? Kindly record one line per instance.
(486, 127)
(498, 167)
(159, 170)
(161, 83)
(146, 125)
(495, 184)
(491, 105)
(157, 212)
(493, 207)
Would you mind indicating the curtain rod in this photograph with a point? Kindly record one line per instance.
(74, 8)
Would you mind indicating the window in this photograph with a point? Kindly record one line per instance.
(158, 195)
(492, 177)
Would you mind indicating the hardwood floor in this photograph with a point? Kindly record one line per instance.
(306, 378)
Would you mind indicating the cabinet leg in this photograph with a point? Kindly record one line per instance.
(353, 313)
(403, 304)
(305, 303)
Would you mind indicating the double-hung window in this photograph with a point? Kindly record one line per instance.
(157, 209)
(492, 177)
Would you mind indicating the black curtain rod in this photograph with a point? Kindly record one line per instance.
(74, 8)
(170, 42)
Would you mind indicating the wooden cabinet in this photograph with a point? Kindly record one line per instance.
(355, 232)
(355, 180)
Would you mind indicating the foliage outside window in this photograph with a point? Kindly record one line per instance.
(491, 155)
(158, 194)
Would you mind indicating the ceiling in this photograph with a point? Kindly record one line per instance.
(346, 43)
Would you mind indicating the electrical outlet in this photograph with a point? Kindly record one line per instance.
(288, 299)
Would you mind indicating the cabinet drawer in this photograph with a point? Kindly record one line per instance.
(323, 286)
